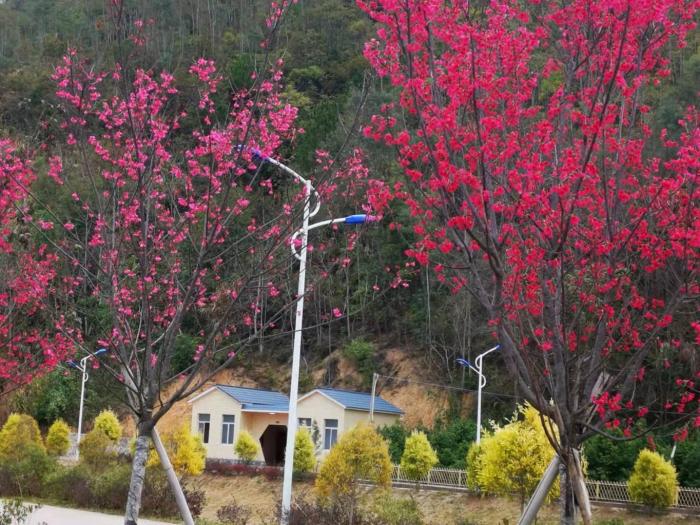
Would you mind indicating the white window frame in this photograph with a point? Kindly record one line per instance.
(228, 429)
(204, 426)
(330, 433)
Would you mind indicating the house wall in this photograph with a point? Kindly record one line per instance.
(257, 422)
(354, 417)
(216, 404)
(319, 408)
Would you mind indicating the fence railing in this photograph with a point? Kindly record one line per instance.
(608, 491)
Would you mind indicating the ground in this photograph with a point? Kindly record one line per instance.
(439, 508)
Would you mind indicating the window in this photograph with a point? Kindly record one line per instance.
(330, 435)
(227, 430)
(203, 420)
(305, 422)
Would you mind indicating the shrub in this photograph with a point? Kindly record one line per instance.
(23, 475)
(396, 436)
(514, 458)
(653, 481)
(687, 461)
(111, 486)
(388, 510)
(19, 431)
(361, 353)
(57, 438)
(474, 465)
(451, 441)
(304, 455)
(185, 450)
(70, 484)
(418, 456)
(159, 501)
(338, 511)
(361, 454)
(246, 447)
(95, 450)
(15, 512)
(233, 514)
(611, 460)
(108, 423)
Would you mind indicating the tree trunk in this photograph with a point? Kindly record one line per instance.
(574, 493)
(138, 476)
(566, 496)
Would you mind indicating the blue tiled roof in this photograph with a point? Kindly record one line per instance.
(254, 396)
(360, 401)
(259, 407)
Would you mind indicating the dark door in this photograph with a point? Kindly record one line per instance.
(273, 442)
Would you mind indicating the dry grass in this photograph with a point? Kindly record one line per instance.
(439, 508)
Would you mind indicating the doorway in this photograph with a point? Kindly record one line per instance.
(273, 442)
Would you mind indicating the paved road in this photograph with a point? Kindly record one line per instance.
(61, 516)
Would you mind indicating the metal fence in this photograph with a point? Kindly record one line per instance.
(607, 491)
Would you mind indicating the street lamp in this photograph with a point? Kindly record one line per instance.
(83, 368)
(478, 362)
(300, 238)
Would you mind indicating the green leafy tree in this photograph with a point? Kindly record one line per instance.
(108, 423)
(609, 459)
(360, 454)
(687, 461)
(96, 450)
(19, 431)
(451, 440)
(395, 435)
(304, 453)
(361, 353)
(57, 438)
(653, 481)
(418, 456)
(247, 449)
(514, 457)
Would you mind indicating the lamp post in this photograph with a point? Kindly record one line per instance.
(300, 238)
(83, 368)
(478, 362)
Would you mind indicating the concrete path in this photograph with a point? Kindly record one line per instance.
(62, 516)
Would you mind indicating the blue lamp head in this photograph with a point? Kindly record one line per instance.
(100, 351)
(462, 362)
(359, 218)
(256, 153)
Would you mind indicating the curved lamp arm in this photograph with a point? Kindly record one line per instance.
(359, 218)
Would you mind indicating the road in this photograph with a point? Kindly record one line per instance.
(62, 516)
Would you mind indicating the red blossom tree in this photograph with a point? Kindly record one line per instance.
(29, 345)
(521, 128)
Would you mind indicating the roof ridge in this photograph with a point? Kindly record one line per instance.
(251, 388)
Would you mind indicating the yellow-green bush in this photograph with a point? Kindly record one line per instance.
(304, 454)
(95, 450)
(473, 465)
(57, 438)
(361, 454)
(418, 456)
(513, 458)
(246, 447)
(653, 481)
(108, 423)
(17, 433)
(185, 450)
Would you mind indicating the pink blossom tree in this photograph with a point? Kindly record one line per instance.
(522, 131)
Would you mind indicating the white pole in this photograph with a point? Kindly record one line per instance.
(482, 383)
(83, 369)
(296, 358)
(375, 376)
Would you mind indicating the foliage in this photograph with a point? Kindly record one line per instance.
(18, 432)
(609, 459)
(418, 456)
(687, 461)
(653, 481)
(185, 450)
(451, 440)
(395, 436)
(96, 450)
(362, 353)
(57, 438)
(304, 451)
(234, 514)
(389, 510)
(52, 396)
(337, 511)
(474, 465)
(22, 474)
(70, 484)
(513, 458)
(227, 468)
(108, 423)
(15, 512)
(360, 454)
(246, 447)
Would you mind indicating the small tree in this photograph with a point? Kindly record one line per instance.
(246, 447)
(57, 442)
(304, 455)
(185, 450)
(108, 423)
(95, 449)
(514, 458)
(653, 481)
(361, 454)
(474, 465)
(18, 432)
(418, 456)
